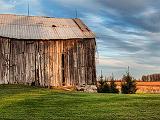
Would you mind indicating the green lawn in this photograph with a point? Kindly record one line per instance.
(27, 103)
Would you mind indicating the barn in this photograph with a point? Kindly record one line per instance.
(46, 51)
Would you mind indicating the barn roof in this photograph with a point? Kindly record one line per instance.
(36, 27)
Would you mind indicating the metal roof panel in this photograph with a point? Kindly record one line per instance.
(32, 27)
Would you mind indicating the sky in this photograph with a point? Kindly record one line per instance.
(127, 31)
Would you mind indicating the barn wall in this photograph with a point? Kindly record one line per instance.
(24, 62)
(4, 60)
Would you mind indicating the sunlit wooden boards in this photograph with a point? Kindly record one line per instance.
(47, 62)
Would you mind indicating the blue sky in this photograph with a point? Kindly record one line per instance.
(128, 31)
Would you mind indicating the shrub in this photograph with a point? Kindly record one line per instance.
(113, 87)
(103, 87)
(33, 84)
(128, 85)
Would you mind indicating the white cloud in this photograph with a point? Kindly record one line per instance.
(5, 6)
(20, 7)
(123, 63)
(93, 18)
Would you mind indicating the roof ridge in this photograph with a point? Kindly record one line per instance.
(37, 16)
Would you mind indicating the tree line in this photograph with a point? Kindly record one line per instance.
(150, 78)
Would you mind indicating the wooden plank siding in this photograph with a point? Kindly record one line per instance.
(41, 61)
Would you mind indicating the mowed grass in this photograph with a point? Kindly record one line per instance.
(19, 102)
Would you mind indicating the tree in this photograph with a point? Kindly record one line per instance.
(103, 86)
(128, 85)
(113, 86)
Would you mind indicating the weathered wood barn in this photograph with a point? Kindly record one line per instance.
(46, 51)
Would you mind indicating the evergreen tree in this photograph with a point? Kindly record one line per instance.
(128, 85)
(113, 86)
(103, 86)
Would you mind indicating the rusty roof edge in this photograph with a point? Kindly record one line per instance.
(46, 39)
(87, 28)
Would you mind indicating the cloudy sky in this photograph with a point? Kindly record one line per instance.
(128, 31)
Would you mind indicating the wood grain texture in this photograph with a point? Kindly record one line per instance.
(40, 61)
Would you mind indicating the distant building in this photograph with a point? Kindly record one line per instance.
(46, 51)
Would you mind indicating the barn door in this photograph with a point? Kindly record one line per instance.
(63, 72)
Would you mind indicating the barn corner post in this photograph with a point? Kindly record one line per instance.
(95, 70)
(93, 52)
(93, 59)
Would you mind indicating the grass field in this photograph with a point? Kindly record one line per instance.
(27, 103)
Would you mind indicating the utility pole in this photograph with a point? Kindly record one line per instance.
(76, 13)
(128, 70)
(101, 77)
(112, 77)
(28, 8)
